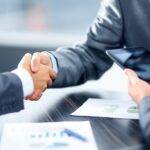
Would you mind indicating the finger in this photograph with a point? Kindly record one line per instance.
(35, 62)
(38, 98)
(45, 59)
(35, 96)
(25, 59)
(130, 72)
(132, 76)
(50, 83)
(31, 97)
(45, 87)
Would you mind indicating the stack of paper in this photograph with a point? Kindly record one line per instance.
(48, 136)
(108, 108)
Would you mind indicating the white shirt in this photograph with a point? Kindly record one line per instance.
(26, 79)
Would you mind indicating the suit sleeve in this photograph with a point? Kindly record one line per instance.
(145, 118)
(88, 60)
(11, 93)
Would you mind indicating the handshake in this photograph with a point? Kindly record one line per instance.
(39, 66)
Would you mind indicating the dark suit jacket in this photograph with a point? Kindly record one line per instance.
(119, 23)
(145, 118)
(11, 93)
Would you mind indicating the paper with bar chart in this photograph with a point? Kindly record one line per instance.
(45, 136)
(125, 109)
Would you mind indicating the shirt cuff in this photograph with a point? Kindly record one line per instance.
(26, 79)
(54, 62)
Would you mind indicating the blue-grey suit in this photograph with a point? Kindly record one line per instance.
(11, 93)
(119, 23)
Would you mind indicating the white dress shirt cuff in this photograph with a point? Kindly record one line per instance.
(26, 79)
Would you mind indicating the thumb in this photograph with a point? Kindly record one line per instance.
(26, 60)
(45, 59)
(35, 62)
(132, 76)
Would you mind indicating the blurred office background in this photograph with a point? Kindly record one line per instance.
(36, 25)
(47, 16)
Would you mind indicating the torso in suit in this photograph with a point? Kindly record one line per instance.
(119, 23)
(11, 93)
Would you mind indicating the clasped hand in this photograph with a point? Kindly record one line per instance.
(39, 67)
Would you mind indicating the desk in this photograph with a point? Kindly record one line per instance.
(109, 133)
(57, 104)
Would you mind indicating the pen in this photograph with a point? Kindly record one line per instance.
(75, 135)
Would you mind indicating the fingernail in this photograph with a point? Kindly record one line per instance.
(34, 67)
(27, 54)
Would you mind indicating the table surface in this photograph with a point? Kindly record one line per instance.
(108, 133)
(57, 105)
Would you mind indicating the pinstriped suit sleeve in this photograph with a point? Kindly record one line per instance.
(11, 93)
(145, 118)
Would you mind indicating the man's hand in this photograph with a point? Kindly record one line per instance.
(37, 60)
(137, 88)
(41, 79)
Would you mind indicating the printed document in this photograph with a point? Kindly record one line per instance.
(125, 109)
(48, 136)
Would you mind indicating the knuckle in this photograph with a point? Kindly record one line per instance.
(44, 54)
(35, 56)
(36, 53)
(27, 54)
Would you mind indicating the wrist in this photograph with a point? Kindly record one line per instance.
(26, 79)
